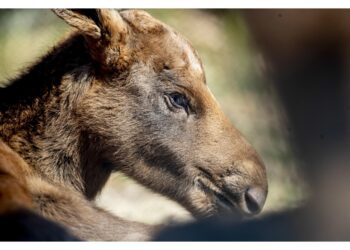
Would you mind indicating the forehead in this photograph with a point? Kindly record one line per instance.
(158, 40)
(186, 53)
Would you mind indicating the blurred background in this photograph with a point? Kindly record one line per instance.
(238, 56)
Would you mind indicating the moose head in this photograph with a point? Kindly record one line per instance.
(148, 112)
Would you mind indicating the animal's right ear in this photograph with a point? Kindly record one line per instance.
(104, 30)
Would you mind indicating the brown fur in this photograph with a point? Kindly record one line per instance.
(14, 193)
(99, 103)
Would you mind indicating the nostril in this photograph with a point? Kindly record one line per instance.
(255, 199)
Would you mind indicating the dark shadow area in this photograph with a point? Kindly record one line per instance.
(24, 225)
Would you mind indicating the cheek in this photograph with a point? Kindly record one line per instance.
(107, 112)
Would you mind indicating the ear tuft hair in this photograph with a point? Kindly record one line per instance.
(104, 30)
(78, 20)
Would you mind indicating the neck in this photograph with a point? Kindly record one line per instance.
(37, 119)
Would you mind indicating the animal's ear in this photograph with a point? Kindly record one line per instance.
(104, 30)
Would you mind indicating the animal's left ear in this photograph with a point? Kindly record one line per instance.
(105, 33)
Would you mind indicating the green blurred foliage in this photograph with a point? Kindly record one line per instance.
(235, 73)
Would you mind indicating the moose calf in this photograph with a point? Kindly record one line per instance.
(127, 93)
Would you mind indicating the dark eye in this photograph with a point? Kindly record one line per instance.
(179, 101)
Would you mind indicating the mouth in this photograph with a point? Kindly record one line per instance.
(223, 203)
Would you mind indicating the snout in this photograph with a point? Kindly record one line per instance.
(248, 202)
(239, 193)
(242, 190)
(237, 186)
(247, 193)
